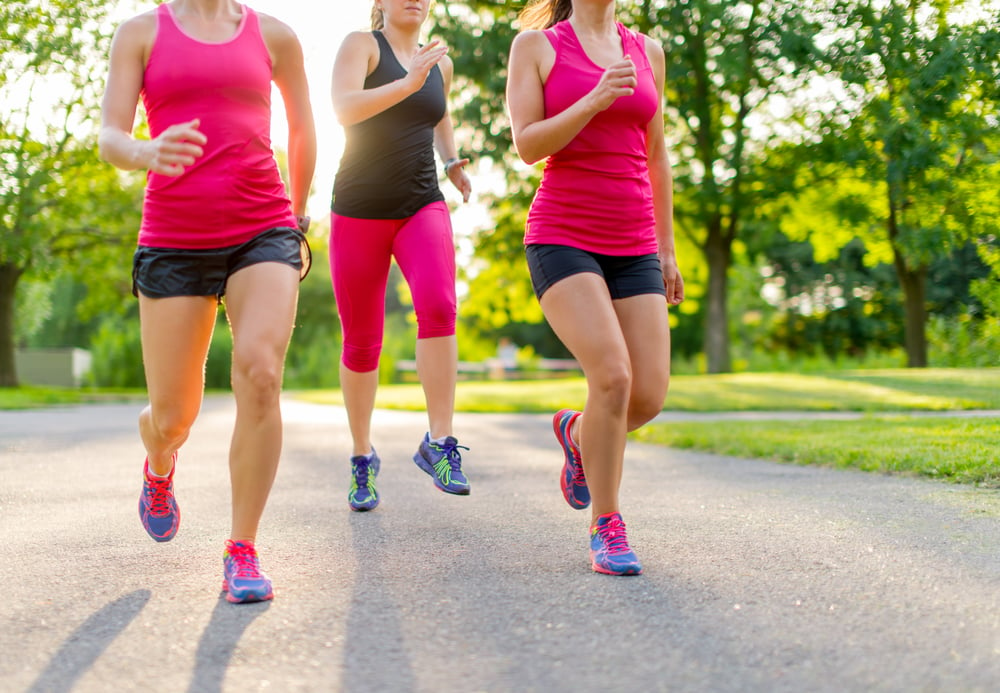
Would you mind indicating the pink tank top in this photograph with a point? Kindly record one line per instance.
(595, 192)
(234, 191)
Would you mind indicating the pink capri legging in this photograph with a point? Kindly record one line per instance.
(361, 251)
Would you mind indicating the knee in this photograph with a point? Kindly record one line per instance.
(258, 375)
(613, 384)
(171, 423)
(646, 404)
(361, 359)
(436, 319)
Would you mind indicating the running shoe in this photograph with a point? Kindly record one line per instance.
(572, 481)
(364, 469)
(158, 509)
(444, 463)
(609, 550)
(242, 580)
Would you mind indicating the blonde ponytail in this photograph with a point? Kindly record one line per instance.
(541, 14)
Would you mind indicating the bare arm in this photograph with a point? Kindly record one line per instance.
(288, 72)
(176, 147)
(661, 177)
(357, 58)
(444, 139)
(535, 136)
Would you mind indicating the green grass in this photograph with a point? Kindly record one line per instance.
(863, 391)
(884, 440)
(962, 450)
(31, 397)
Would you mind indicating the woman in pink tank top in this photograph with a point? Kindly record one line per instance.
(217, 221)
(585, 94)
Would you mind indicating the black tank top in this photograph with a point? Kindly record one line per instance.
(388, 169)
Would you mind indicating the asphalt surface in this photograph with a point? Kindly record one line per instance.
(759, 576)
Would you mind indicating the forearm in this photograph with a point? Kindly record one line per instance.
(360, 105)
(661, 179)
(544, 138)
(444, 139)
(123, 151)
(301, 167)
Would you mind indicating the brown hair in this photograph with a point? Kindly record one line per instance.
(541, 14)
(378, 19)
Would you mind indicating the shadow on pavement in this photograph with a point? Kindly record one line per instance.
(375, 652)
(86, 644)
(219, 641)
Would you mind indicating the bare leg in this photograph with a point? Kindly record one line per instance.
(176, 333)
(261, 303)
(644, 322)
(359, 399)
(437, 366)
(581, 313)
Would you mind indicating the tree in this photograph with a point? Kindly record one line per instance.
(55, 196)
(921, 101)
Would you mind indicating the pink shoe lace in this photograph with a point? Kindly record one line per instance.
(613, 535)
(243, 557)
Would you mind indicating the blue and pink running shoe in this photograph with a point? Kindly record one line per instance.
(158, 509)
(609, 550)
(572, 481)
(242, 580)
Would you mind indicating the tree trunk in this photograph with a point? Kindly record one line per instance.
(914, 284)
(9, 274)
(718, 253)
(913, 281)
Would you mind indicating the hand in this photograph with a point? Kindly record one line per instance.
(423, 60)
(618, 80)
(176, 148)
(459, 178)
(672, 280)
(303, 223)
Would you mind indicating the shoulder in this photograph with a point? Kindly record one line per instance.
(654, 49)
(531, 43)
(360, 41)
(139, 30)
(447, 67)
(275, 32)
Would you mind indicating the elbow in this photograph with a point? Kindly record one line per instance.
(102, 146)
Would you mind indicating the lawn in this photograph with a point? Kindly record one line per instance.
(962, 450)
(861, 391)
(883, 439)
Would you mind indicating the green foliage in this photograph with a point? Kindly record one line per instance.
(917, 121)
(55, 196)
(116, 353)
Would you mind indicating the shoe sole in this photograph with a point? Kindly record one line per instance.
(249, 599)
(606, 571)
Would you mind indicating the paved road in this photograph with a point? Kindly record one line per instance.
(759, 576)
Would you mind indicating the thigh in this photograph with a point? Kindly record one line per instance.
(645, 326)
(360, 256)
(424, 248)
(581, 313)
(176, 333)
(260, 304)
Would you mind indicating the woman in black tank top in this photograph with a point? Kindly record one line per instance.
(390, 94)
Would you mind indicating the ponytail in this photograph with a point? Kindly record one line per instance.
(378, 20)
(541, 14)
